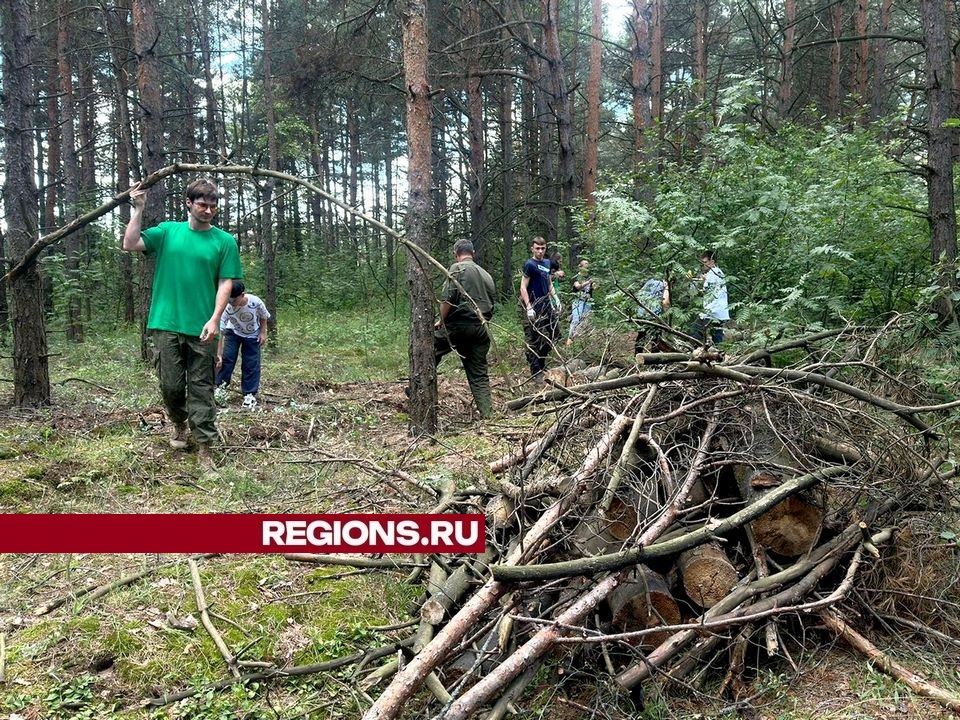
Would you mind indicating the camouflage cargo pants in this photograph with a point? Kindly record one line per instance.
(472, 343)
(185, 367)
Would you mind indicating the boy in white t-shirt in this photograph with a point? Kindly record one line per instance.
(243, 332)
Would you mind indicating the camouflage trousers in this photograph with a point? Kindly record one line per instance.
(185, 367)
(471, 343)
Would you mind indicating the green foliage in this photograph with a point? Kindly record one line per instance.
(809, 225)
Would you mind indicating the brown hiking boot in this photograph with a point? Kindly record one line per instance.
(205, 458)
(179, 434)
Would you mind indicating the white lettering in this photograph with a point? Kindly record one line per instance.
(355, 532)
(442, 530)
(408, 533)
(382, 533)
(323, 538)
(272, 532)
(463, 540)
(296, 532)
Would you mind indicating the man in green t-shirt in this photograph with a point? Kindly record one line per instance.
(195, 269)
(465, 308)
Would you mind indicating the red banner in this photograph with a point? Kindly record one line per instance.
(241, 533)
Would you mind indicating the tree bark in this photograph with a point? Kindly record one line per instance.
(881, 89)
(506, 153)
(656, 66)
(861, 55)
(353, 169)
(31, 375)
(560, 102)
(785, 93)
(145, 35)
(590, 146)
(71, 174)
(940, 106)
(423, 371)
(476, 133)
(390, 248)
(640, 76)
(833, 87)
(268, 244)
(117, 27)
(700, 12)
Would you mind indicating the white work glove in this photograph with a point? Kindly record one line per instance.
(530, 313)
(559, 306)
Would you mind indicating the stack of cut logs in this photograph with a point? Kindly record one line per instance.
(667, 518)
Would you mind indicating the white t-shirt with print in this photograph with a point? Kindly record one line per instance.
(245, 321)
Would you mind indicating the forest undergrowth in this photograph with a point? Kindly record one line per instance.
(330, 434)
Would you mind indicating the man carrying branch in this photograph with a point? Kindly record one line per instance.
(195, 269)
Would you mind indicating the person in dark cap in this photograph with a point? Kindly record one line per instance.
(243, 333)
(466, 306)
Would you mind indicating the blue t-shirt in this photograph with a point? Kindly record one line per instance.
(538, 286)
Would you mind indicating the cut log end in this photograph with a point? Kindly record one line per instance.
(789, 528)
(708, 576)
(644, 603)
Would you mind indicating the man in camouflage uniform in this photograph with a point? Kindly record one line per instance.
(466, 306)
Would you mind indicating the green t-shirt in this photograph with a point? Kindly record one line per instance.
(190, 266)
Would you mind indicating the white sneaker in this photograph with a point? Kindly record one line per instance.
(249, 401)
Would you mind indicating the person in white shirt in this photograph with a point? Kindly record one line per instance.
(243, 332)
(715, 311)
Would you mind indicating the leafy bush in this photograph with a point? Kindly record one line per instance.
(809, 225)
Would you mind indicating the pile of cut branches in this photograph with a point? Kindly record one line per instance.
(675, 518)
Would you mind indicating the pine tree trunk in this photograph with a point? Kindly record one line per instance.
(476, 176)
(785, 94)
(560, 100)
(861, 55)
(353, 155)
(940, 140)
(53, 155)
(441, 184)
(31, 375)
(71, 174)
(506, 153)
(189, 126)
(268, 244)
(148, 86)
(215, 131)
(833, 89)
(423, 372)
(117, 28)
(4, 303)
(640, 76)
(700, 50)
(656, 70)
(593, 105)
(388, 218)
(881, 88)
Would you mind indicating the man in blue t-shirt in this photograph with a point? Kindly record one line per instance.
(541, 306)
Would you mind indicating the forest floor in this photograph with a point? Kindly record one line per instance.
(332, 393)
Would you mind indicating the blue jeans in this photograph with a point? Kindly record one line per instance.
(579, 311)
(249, 351)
